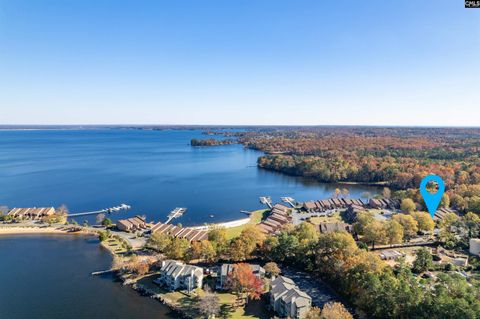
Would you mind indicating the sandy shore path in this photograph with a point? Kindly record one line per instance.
(18, 230)
(233, 223)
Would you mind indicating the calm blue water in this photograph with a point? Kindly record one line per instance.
(48, 276)
(154, 171)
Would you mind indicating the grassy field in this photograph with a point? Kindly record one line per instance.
(255, 218)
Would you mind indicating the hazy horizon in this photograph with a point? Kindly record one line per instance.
(153, 125)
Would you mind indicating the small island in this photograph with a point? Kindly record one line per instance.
(211, 142)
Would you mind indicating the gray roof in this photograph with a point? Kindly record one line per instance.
(285, 288)
(281, 285)
(297, 296)
(175, 268)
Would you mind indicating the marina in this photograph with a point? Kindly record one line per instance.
(220, 181)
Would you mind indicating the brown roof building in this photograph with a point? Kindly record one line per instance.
(383, 203)
(32, 213)
(132, 224)
(440, 213)
(188, 233)
(277, 219)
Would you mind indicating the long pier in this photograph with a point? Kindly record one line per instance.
(106, 210)
(177, 212)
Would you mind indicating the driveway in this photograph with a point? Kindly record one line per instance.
(312, 285)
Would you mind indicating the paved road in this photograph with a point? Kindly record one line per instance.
(312, 285)
(299, 216)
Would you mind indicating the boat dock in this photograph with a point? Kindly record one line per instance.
(102, 272)
(266, 200)
(288, 200)
(177, 212)
(103, 211)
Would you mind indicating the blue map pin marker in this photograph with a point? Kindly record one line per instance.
(432, 200)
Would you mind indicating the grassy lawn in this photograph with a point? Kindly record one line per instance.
(255, 218)
(114, 245)
(335, 218)
(254, 309)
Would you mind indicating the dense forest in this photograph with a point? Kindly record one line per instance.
(396, 157)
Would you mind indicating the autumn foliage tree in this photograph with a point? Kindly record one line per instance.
(408, 205)
(218, 237)
(335, 310)
(245, 245)
(272, 269)
(244, 283)
(397, 157)
(138, 265)
(409, 224)
(424, 220)
(203, 250)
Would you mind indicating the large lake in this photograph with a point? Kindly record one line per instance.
(153, 171)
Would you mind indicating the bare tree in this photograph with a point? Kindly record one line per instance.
(209, 304)
(336, 193)
(100, 218)
(3, 210)
(366, 195)
(386, 192)
(62, 210)
(272, 269)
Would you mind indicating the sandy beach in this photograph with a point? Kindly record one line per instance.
(233, 223)
(19, 230)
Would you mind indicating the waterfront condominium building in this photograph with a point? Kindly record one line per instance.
(287, 300)
(175, 275)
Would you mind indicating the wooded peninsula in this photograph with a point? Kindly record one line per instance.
(396, 157)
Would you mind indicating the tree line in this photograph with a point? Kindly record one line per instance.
(396, 157)
(374, 288)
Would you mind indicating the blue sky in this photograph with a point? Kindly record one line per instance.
(239, 62)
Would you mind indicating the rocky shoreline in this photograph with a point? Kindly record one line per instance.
(144, 291)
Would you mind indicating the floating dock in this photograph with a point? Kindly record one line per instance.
(266, 200)
(288, 200)
(177, 212)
